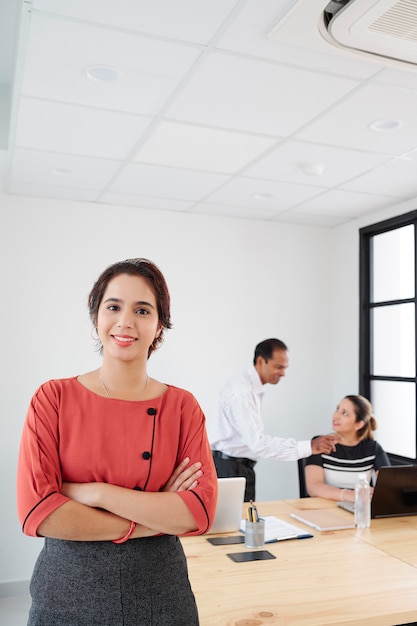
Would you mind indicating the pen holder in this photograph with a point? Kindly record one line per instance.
(255, 534)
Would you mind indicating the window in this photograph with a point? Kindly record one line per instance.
(388, 353)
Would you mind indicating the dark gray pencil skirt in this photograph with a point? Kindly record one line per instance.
(143, 582)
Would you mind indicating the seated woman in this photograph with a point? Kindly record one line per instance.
(334, 475)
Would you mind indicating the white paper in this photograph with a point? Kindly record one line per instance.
(276, 528)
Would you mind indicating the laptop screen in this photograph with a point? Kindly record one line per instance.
(229, 505)
(395, 491)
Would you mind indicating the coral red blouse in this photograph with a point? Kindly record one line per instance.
(74, 435)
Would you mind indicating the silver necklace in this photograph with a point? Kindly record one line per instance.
(109, 396)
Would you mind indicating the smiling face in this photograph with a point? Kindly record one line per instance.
(127, 319)
(271, 370)
(344, 419)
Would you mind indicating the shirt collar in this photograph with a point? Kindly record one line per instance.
(258, 387)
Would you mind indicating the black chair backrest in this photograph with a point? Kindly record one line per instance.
(302, 478)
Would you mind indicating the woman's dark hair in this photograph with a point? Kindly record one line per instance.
(153, 276)
(266, 348)
(363, 411)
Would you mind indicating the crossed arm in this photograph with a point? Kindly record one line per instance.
(102, 512)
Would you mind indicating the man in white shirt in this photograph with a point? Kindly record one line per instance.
(236, 433)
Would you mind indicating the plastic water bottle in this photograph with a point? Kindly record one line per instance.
(362, 502)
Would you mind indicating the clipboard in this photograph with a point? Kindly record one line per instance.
(323, 519)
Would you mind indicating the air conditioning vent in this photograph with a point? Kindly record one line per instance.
(399, 21)
(381, 30)
(384, 27)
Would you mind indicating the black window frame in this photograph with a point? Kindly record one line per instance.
(366, 306)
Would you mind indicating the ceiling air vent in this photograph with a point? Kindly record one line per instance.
(379, 30)
(387, 28)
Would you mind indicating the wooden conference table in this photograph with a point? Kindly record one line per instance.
(357, 577)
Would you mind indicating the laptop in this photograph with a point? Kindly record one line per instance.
(395, 492)
(229, 505)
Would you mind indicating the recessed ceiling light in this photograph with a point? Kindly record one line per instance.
(102, 73)
(385, 125)
(262, 196)
(61, 171)
(313, 169)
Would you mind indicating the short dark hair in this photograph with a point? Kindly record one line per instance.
(267, 347)
(153, 276)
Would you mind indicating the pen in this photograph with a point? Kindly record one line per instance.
(255, 516)
(304, 536)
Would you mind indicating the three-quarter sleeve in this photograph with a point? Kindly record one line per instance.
(38, 475)
(201, 500)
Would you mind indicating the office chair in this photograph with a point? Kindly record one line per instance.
(302, 479)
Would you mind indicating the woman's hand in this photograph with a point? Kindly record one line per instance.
(183, 477)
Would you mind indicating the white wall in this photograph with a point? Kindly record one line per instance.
(233, 283)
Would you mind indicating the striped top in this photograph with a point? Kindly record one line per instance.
(341, 468)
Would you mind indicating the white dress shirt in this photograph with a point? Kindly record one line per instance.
(237, 428)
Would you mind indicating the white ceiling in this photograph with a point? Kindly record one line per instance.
(206, 112)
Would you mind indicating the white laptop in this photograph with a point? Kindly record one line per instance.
(229, 505)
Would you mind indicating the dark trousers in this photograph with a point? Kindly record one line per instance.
(229, 466)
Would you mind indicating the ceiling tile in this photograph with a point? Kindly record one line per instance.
(313, 164)
(258, 213)
(69, 128)
(348, 123)
(249, 34)
(397, 179)
(191, 20)
(256, 96)
(201, 148)
(166, 182)
(147, 70)
(45, 191)
(146, 202)
(412, 155)
(397, 77)
(344, 204)
(61, 170)
(262, 194)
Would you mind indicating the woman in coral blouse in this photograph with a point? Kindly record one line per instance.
(113, 467)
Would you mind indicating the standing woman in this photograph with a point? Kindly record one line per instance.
(109, 473)
(334, 475)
